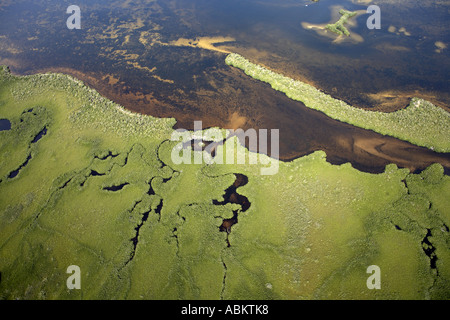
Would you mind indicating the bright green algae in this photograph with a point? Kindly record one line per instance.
(310, 233)
(421, 123)
(339, 26)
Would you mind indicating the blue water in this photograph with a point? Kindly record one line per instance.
(5, 125)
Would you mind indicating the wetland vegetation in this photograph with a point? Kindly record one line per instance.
(90, 182)
(100, 191)
(339, 26)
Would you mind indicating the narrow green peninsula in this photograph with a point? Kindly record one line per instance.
(338, 27)
(421, 123)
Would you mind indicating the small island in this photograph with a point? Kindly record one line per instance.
(338, 27)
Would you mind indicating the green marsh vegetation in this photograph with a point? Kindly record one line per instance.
(100, 191)
(338, 27)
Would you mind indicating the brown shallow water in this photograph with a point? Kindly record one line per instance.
(242, 102)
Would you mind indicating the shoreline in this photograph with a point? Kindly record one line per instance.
(372, 146)
(395, 124)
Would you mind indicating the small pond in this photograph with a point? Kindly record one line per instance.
(5, 125)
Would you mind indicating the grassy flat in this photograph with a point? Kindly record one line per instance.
(100, 191)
